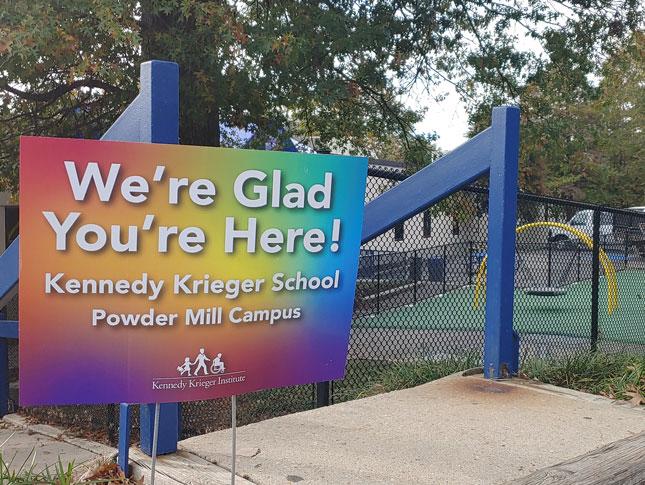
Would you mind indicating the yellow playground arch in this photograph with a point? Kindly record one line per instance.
(608, 267)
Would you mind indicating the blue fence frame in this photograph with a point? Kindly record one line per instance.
(153, 117)
(494, 151)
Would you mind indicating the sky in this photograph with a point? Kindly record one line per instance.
(446, 117)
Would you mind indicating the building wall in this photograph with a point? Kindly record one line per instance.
(442, 226)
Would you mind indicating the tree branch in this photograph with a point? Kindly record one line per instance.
(383, 102)
(60, 90)
(486, 50)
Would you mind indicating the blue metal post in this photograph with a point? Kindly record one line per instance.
(9, 273)
(494, 151)
(428, 186)
(168, 428)
(153, 117)
(8, 329)
(500, 341)
(124, 437)
(4, 372)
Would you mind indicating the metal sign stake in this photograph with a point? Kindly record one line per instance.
(233, 432)
(155, 437)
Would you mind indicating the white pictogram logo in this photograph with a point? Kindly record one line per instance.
(217, 365)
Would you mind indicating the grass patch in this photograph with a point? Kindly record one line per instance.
(27, 471)
(60, 474)
(386, 377)
(618, 376)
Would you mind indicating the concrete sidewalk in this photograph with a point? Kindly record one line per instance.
(43, 446)
(457, 430)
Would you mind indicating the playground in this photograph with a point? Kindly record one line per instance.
(413, 303)
(235, 248)
(566, 315)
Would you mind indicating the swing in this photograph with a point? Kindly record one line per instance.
(549, 290)
(545, 291)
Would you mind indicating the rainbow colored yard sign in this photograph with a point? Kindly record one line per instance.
(160, 273)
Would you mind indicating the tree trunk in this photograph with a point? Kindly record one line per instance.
(199, 122)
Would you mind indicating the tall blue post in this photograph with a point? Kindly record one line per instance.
(4, 372)
(123, 458)
(8, 328)
(153, 117)
(494, 151)
(501, 343)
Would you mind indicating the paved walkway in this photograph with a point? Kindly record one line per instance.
(42, 446)
(39, 445)
(457, 430)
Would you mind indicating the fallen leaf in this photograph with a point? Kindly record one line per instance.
(636, 398)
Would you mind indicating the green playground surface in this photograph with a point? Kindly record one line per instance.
(568, 314)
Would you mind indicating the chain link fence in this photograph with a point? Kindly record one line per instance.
(420, 296)
(416, 296)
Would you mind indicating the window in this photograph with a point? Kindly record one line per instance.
(580, 219)
(398, 232)
(427, 224)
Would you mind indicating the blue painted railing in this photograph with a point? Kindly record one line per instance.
(8, 328)
(494, 151)
(9, 273)
(153, 117)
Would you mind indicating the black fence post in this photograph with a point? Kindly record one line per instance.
(4, 371)
(631, 222)
(414, 269)
(322, 394)
(578, 250)
(595, 279)
(445, 267)
(470, 263)
(112, 423)
(378, 283)
(549, 263)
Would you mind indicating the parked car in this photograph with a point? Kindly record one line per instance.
(640, 209)
(583, 222)
(630, 230)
